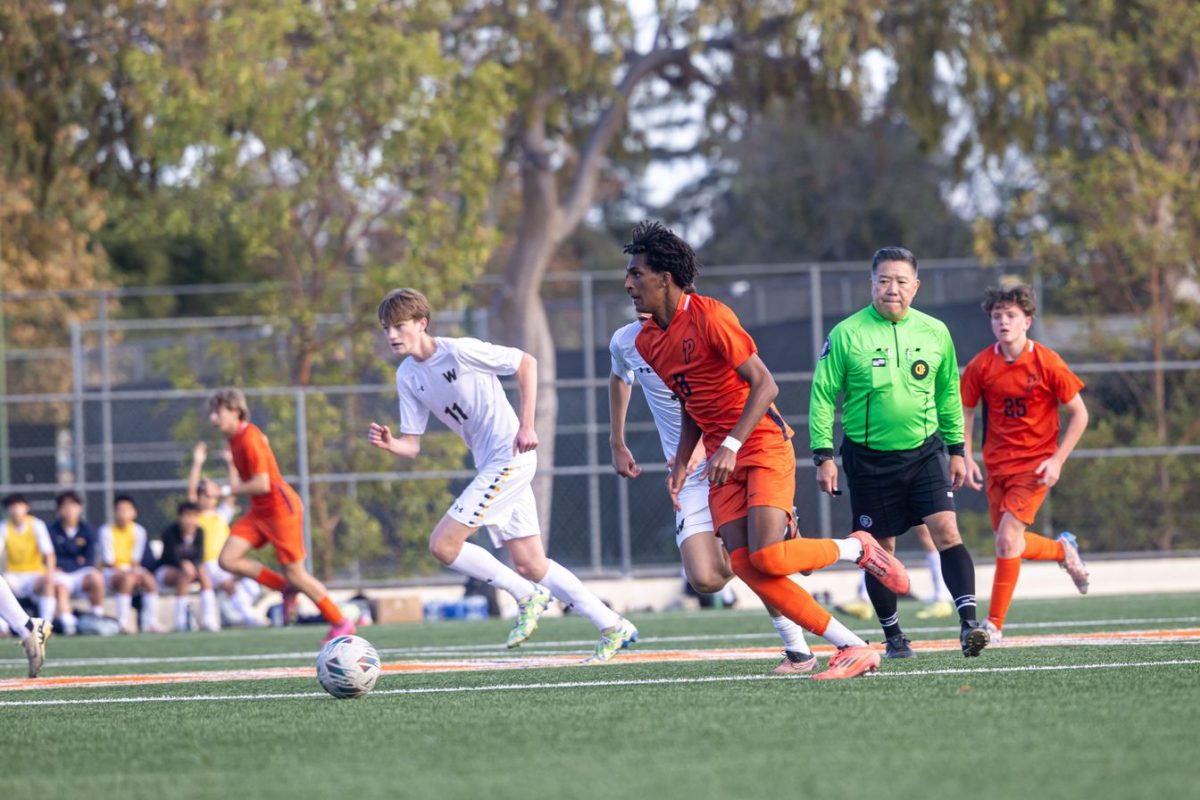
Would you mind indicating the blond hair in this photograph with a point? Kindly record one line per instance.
(233, 399)
(402, 305)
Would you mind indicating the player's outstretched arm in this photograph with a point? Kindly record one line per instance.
(406, 445)
(1077, 421)
(618, 405)
(527, 438)
(689, 437)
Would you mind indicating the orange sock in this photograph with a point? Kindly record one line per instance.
(330, 611)
(1003, 585)
(795, 555)
(271, 579)
(783, 594)
(1039, 548)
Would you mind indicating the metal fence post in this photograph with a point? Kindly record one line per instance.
(77, 375)
(589, 406)
(302, 470)
(106, 420)
(817, 310)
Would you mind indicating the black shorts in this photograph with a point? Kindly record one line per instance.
(891, 491)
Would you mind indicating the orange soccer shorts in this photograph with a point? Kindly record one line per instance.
(283, 529)
(769, 480)
(1020, 494)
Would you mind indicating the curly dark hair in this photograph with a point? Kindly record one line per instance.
(1021, 295)
(664, 251)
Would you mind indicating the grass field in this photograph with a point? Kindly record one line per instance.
(1066, 710)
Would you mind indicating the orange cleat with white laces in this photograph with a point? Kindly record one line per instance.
(850, 662)
(886, 568)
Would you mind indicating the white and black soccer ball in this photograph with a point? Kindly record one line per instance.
(348, 667)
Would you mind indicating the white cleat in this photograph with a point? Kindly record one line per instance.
(996, 635)
(1072, 563)
(35, 645)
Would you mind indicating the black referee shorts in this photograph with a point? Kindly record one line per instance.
(893, 490)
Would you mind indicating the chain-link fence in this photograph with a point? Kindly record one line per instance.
(94, 405)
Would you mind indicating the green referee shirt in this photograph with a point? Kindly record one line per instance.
(900, 380)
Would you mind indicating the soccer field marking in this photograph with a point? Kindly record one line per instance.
(558, 647)
(1105, 638)
(633, 682)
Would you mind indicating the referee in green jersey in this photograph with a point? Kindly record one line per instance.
(903, 445)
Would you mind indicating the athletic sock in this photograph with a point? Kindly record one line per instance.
(564, 585)
(475, 562)
(271, 579)
(12, 613)
(933, 560)
(790, 599)
(124, 603)
(1003, 585)
(1039, 548)
(959, 571)
(97, 611)
(839, 635)
(149, 609)
(181, 615)
(47, 605)
(862, 588)
(330, 611)
(884, 601)
(792, 635)
(208, 608)
(240, 600)
(795, 555)
(848, 549)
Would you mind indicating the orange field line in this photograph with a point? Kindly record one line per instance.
(558, 661)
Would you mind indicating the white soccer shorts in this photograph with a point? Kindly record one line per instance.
(501, 499)
(22, 583)
(693, 515)
(73, 581)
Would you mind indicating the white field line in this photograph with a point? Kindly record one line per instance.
(516, 687)
(499, 650)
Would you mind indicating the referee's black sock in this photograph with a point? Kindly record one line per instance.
(958, 571)
(884, 601)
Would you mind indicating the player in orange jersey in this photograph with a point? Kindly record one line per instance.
(1022, 384)
(276, 514)
(700, 350)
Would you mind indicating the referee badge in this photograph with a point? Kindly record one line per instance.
(920, 369)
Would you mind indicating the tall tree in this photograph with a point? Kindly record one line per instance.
(578, 68)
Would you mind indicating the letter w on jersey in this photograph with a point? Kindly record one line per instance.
(450, 375)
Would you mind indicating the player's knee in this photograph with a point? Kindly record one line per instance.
(532, 569)
(708, 583)
(770, 561)
(444, 550)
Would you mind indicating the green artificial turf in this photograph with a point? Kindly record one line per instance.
(962, 731)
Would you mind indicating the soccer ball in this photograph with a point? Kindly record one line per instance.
(348, 667)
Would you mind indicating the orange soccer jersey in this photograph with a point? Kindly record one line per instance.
(252, 456)
(1020, 399)
(697, 356)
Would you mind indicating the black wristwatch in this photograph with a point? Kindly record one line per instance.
(821, 458)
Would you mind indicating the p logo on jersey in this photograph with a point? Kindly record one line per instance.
(920, 369)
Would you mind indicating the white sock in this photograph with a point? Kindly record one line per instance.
(849, 549)
(251, 587)
(240, 600)
(208, 608)
(69, 620)
(563, 584)
(149, 609)
(11, 611)
(47, 605)
(181, 612)
(728, 596)
(862, 589)
(791, 633)
(934, 561)
(839, 635)
(478, 563)
(124, 603)
(97, 611)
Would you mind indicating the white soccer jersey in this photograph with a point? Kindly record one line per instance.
(459, 384)
(627, 363)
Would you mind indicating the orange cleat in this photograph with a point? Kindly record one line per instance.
(343, 628)
(850, 662)
(886, 568)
